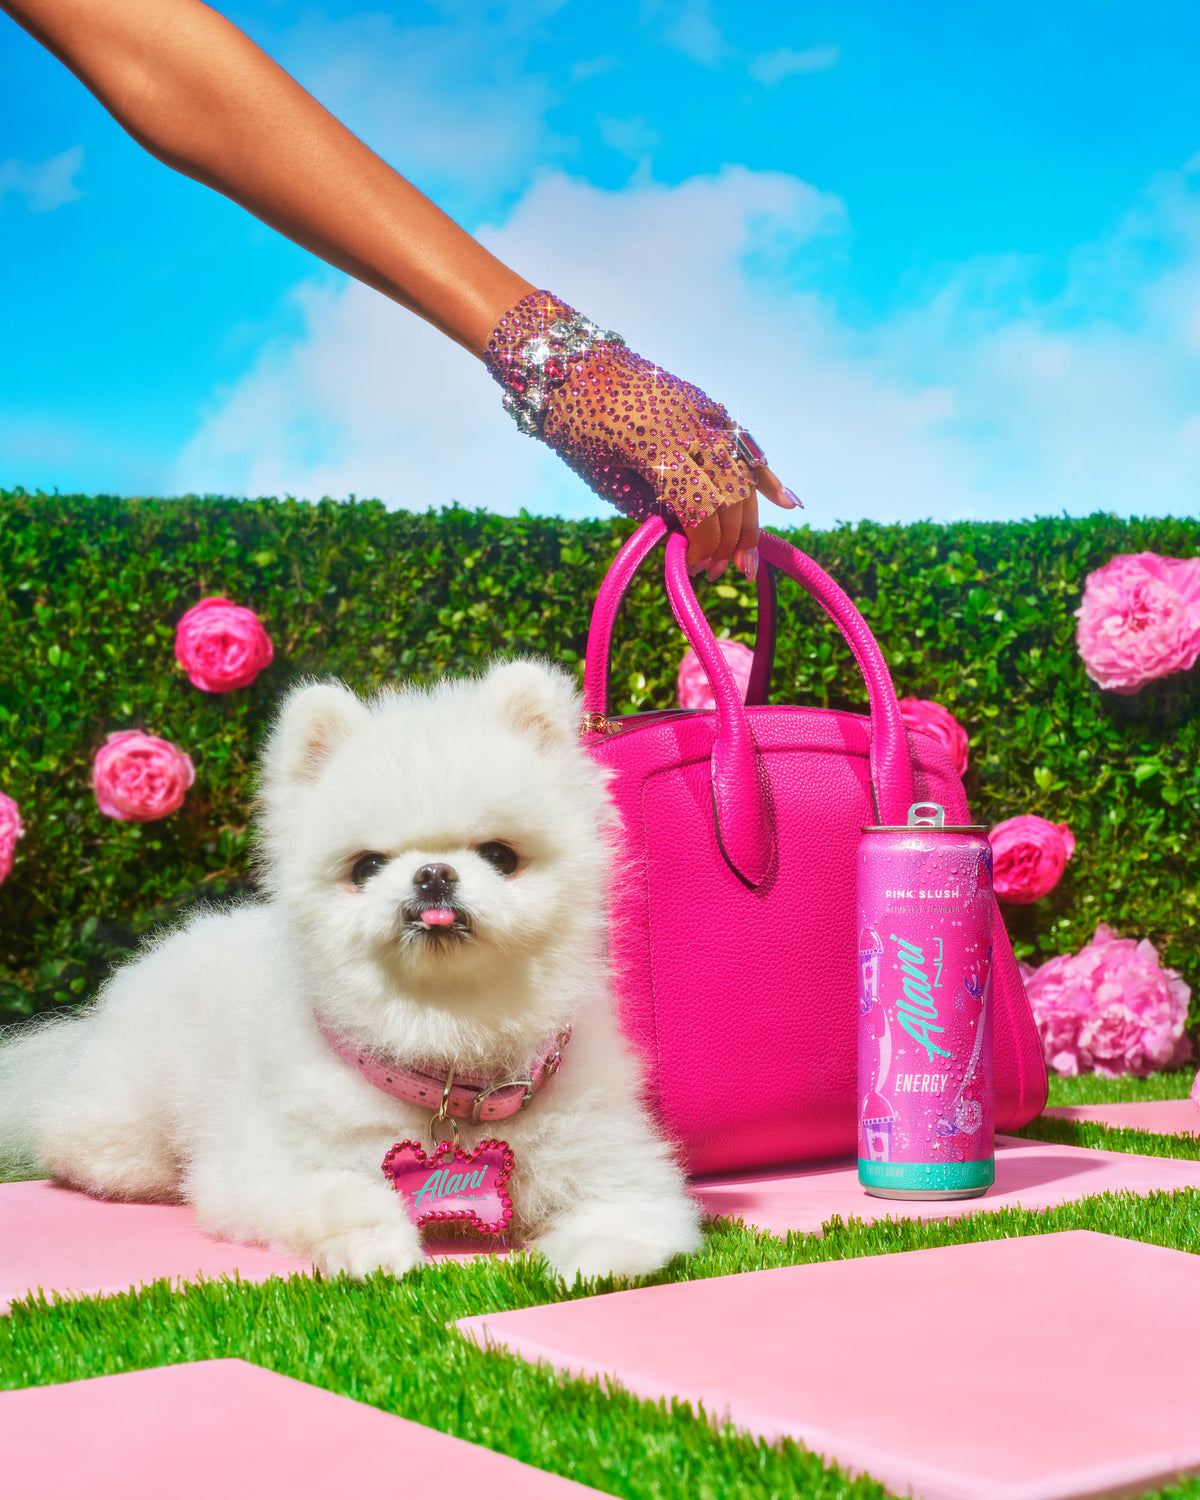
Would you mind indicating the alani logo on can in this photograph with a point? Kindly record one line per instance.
(924, 1008)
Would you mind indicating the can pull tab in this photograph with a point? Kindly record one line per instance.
(926, 815)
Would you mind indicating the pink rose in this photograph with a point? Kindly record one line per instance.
(1029, 855)
(931, 718)
(1110, 1007)
(1139, 619)
(221, 645)
(1056, 1011)
(139, 777)
(692, 686)
(11, 829)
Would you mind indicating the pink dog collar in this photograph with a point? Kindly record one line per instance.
(466, 1097)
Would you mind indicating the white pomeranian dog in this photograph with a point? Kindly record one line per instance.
(436, 865)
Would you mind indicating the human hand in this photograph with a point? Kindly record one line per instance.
(637, 435)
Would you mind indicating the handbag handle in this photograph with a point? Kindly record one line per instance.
(634, 552)
(743, 822)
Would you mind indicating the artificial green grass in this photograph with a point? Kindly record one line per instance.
(386, 1342)
(1090, 1088)
(20, 1174)
(1112, 1138)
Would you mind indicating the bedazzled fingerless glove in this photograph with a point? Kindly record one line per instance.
(638, 436)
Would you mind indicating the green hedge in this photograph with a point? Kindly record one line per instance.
(977, 616)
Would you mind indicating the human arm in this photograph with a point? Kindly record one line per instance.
(201, 97)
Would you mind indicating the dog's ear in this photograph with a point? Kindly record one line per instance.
(535, 700)
(314, 721)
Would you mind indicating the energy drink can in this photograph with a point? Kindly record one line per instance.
(924, 1009)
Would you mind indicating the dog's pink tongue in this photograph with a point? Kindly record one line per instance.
(437, 916)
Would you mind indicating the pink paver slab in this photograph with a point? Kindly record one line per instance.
(1159, 1116)
(64, 1241)
(1029, 1174)
(229, 1428)
(932, 1370)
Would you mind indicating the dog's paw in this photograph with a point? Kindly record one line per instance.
(603, 1241)
(395, 1249)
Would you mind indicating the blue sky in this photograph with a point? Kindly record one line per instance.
(943, 259)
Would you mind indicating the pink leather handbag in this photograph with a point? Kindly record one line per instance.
(733, 911)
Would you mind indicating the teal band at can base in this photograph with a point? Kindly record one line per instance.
(931, 1177)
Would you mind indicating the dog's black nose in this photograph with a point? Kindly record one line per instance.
(435, 883)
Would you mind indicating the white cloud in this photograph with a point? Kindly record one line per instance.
(631, 137)
(375, 402)
(694, 33)
(453, 106)
(773, 67)
(372, 401)
(593, 67)
(984, 400)
(43, 184)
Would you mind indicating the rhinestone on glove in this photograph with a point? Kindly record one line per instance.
(637, 435)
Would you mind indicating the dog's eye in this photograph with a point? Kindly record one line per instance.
(365, 866)
(502, 857)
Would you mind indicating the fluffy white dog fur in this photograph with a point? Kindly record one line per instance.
(199, 1073)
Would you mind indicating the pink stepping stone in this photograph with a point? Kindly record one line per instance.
(225, 1427)
(63, 1241)
(929, 1369)
(1158, 1116)
(1029, 1174)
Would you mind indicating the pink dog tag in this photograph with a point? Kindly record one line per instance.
(453, 1185)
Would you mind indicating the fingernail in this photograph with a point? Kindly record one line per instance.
(791, 501)
(715, 573)
(750, 563)
(698, 567)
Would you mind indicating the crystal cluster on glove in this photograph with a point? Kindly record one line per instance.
(637, 435)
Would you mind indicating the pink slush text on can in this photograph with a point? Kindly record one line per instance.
(924, 1009)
